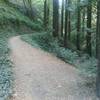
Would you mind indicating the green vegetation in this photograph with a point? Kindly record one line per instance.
(10, 14)
(6, 77)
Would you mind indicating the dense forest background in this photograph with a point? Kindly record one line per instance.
(70, 29)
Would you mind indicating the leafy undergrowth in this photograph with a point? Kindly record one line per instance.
(84, 63)
(9, 14)
(5, 65)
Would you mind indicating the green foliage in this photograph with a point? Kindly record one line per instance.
(5, 65)
(86, 64)
(5, 77)
(10, 14)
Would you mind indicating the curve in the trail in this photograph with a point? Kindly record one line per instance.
(41, 76)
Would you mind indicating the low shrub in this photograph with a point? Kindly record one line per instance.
(6, 77)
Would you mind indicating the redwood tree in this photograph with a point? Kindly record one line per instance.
(66, 24)
(69, 20)
(89, 24)
(46, 13)
(62, 18)
(78, 26)
(55, 18)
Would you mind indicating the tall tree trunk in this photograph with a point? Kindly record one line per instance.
(69, 21)
(45, 13)
(62, 18)
(89, 24)
(55, 18)
(83, 21)
(78, 26)
(98, 48)
(69, 25)
(66, 25)
(48, 11)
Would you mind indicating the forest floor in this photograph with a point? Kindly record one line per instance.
(42, 76)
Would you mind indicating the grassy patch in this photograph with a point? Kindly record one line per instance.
(84, 63)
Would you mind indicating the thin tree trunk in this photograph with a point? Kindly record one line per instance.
(69, 21)
(83, 21)
(78, 27)
(66, 25)
(62, 18)
(89, 24)
(45, 13)
(48, 11)
(69, 26)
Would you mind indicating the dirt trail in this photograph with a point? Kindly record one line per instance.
(41, 76)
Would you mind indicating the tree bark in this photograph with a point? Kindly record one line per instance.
(78, 27)
(62, 18)
(45, 13)
(69, 21)
(69, 26)
(66, 25)
(55, 18)
(89, 25)
(83, 21)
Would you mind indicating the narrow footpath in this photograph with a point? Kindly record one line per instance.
(42, 76)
